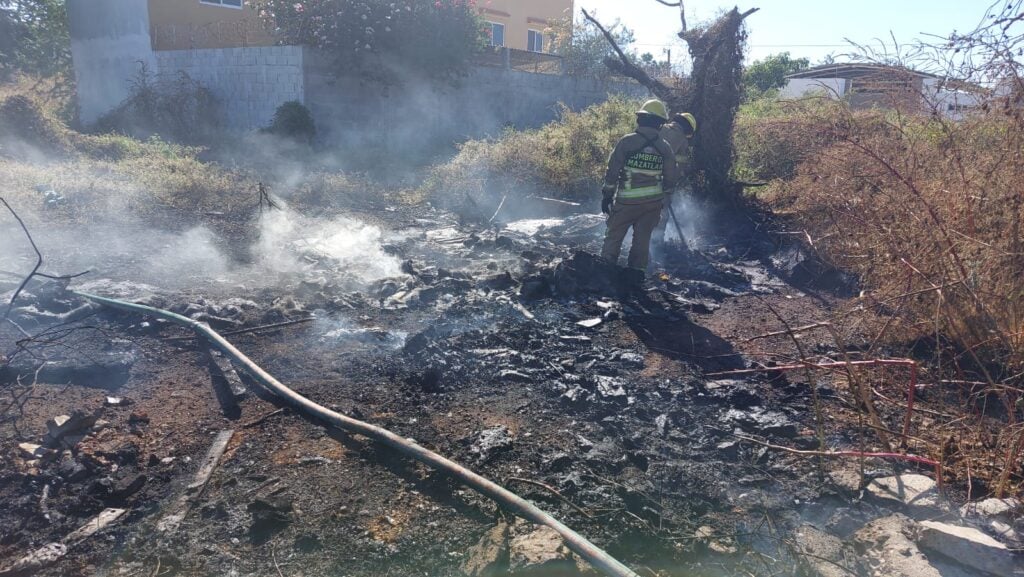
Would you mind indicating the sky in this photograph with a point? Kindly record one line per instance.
(805, 28)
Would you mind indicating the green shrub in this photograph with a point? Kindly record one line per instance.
(294, 121)
(564, 158)
(25, 125)
(772, 137)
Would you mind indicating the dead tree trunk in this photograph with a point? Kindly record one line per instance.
(712, 95)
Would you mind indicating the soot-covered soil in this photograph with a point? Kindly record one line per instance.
(511, 351)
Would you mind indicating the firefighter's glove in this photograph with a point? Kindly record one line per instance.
(606, 204)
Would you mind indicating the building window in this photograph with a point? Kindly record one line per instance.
(497, 34)
(228, 3)
(535, 41)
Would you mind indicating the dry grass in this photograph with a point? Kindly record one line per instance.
(927, 212)
(107, 172)
(566, 157)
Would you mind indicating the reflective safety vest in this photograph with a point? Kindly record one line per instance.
(643, 173)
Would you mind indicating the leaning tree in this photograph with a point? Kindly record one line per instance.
(712, 94)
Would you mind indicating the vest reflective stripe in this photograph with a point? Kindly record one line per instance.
(629, 191)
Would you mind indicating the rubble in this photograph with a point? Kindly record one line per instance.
(489, 442)
(538, 550)
(489, 557)
(918, 493)
(822, 554)
(972, 548)
(889, 547)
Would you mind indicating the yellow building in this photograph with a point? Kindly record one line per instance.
(521, 24)
(185, 24)
(193, 24)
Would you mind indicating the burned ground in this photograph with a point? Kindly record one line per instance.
(508, 348)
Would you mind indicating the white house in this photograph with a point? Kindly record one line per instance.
(876, 85)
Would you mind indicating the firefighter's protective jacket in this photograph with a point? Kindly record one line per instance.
(676, 137)
(641, 167)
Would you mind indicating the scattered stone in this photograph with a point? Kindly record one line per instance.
(542, 552)
(43, 557)
(490, 442)
(138, 417)
(490, 556)
(916, 492)
(610, 387)
(633, 360)
(888, 547)
(823, 554)
(34, 451)
(661, 422)
(970, 547)
(1002, 508)
(65, 425)
(706, 536)
(590, 323)
(763, 421)
(116, 401)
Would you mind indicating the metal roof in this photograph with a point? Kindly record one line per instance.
(853, 70)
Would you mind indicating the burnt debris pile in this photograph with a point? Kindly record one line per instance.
(511, 349)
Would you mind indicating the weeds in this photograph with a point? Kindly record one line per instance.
(927, 210)
(567, 156)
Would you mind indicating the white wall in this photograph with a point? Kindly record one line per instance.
(109, 39)
(952, 104)
(800, 87)
(248, 83)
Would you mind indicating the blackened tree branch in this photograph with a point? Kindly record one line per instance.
(39, 262)
(39, 259)
(625, 66)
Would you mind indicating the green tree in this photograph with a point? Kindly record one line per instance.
(382, 39)
(770, 73)
(583, 48)
(34, 37)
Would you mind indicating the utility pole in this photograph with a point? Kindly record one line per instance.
(668, 51)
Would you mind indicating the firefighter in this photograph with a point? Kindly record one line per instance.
(640, 169)
(677, 134)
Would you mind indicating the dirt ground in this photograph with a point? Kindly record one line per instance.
(623, 427)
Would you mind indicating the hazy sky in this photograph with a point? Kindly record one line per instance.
(805, 28)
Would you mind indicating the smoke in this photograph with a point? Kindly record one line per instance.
(693, 220)
(290, 248)
(292, 243)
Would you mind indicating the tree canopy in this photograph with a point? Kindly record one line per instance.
(584, 49)
(381, 39)
(34, 37)
(770, 73)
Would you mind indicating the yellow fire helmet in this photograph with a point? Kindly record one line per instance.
(655, 107)
(689, 118)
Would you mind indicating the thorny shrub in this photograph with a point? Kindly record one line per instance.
(178, 109)
(566, 157)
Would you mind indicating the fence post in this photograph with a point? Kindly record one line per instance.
(506, 57)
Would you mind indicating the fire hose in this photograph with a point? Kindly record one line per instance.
(507, 499)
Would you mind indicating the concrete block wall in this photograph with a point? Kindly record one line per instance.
(248, 83)
(417, 116)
